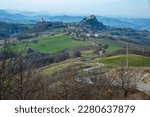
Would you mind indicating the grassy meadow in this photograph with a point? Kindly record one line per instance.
(134, 60)
(53, 44)
(112, 45)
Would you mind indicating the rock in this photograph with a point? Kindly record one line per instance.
(92, 22)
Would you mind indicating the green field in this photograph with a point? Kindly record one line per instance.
(53, 44)
(112, 45)
(134, 60)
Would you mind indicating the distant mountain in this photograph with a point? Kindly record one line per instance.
(115, 22)
(143, 23)
(13, 16)
(33, 17)
(135, 23)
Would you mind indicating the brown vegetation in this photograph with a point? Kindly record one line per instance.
(19, 80)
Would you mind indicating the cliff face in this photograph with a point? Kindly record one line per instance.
(92, 22)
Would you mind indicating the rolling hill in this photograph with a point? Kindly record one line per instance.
(120, 60)
(33, 17)
(53, 44)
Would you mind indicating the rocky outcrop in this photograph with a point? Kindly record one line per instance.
(92, 23)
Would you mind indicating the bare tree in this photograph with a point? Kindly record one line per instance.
(123, 79)
(17, 78)
(6, 69)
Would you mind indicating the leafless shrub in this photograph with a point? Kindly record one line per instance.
(17, 78)
(123, 79)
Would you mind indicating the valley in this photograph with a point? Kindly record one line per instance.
(77, 60)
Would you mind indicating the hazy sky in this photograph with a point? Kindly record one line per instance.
(131, 8)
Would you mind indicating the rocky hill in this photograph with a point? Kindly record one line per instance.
(46, 25)
(92, 23)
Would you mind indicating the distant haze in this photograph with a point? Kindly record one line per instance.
(119, 8)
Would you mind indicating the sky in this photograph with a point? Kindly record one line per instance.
(119, 8)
